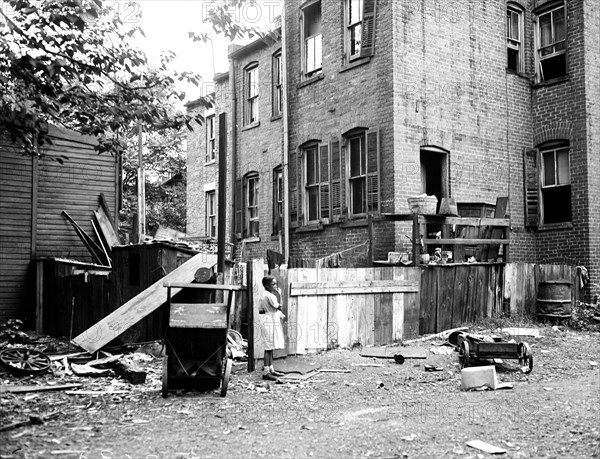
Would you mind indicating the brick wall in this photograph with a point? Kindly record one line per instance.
(259, 148)
(346, 97)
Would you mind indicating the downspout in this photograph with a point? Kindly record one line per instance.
(284, 155)
(233, 144)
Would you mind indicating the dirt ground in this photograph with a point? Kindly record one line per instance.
(394, 411)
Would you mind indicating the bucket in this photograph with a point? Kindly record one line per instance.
(554, 299)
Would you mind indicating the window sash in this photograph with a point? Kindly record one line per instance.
(314, 53)
(211, 217)
(357, 174)
(277, 85)
(555, 168)
(252, 93)
(552, 33)
(252, 209)
(210, 138)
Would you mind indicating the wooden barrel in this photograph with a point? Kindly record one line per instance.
(554, 299)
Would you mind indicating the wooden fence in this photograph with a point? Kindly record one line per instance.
(326, 308)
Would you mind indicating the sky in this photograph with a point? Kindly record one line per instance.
(167, 23)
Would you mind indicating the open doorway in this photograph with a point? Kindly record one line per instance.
(434, 172)
(434, 181)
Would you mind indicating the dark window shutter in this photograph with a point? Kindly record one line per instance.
(336, 183)
(238, 208)
(293, 184)
(367, 47)
(531, 182)
(373, 198)
(324, 179)
(244, 206)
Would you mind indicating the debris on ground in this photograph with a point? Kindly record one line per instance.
(485, 447)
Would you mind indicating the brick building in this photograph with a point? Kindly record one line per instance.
(471, 100)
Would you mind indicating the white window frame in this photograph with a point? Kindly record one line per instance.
(210, 139)
(277, 84)
(538, 40)
(308, 188)
(277, 197)
(252, 205)
(359, 179)
(251, 94)
(516, 44)
(211, 213)
(554, 150)
(352, 25)
(314, 43)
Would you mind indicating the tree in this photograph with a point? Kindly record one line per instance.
(72, 63)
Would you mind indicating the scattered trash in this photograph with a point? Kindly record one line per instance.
(379, 384)
(24, 360)
(475, 377)
(377, 365)
(87, 370)
(593, 364)
(432, 368)
(23, 389)
(333, 370)
(522, 332)
(442, 350)
(410, 437)
(548, 388)
(485, 447)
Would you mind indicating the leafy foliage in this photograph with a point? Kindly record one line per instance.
(72, 63)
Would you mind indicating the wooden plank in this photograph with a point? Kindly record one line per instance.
(411, 305)
(427, 308)
(352, 323)
(470, 308)
(319, 326)
(198, 315)
(108, 231)
(140, 306)
(352, 288)
(445, 279)
(498, 293)
(459, 297)
(496, 233)
(231, 287)
(332, 311)
(382, 318)
(472, 241)
(343, 333)
(292, 319)
(281, 276)
(255, 272)
(367, 313)
(463, 221)
(398, 308)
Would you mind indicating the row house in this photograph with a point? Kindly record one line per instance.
(389, 99)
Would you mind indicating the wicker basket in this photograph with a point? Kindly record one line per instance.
(423, 204)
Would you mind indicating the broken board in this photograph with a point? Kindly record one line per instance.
(389, 352)
(140, 306)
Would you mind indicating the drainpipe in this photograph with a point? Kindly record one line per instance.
(284, 159)
(233, 143)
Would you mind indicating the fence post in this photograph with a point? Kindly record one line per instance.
(255, 273)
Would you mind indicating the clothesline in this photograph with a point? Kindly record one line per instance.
(345, 250)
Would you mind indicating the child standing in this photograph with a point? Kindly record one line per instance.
(270, 325)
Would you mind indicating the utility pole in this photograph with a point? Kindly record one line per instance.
(141, 188)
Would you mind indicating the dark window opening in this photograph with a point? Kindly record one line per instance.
(513, 59)
(554, 67)
(558, 209)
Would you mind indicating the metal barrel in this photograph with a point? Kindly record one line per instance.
(554, 298)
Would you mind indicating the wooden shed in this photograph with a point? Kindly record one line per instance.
(33, 193)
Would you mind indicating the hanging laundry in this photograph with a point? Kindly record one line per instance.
(274, 259)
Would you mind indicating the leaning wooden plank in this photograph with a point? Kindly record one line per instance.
(104, 249)
(141, 305)
(89, 243)
(108, 231)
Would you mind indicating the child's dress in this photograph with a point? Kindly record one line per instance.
(270, 322)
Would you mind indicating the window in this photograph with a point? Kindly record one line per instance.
(360, 28)
(210, 138)
(357, 178)
(312, 183)
(277, 84)
(252, 227)
(211, 214)
(355, 12)
(251, 94)
(277, 200)
(551, 56)
(514, 38)
(337, 179)
(312, 39)
(362, 153)
(555, 183)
